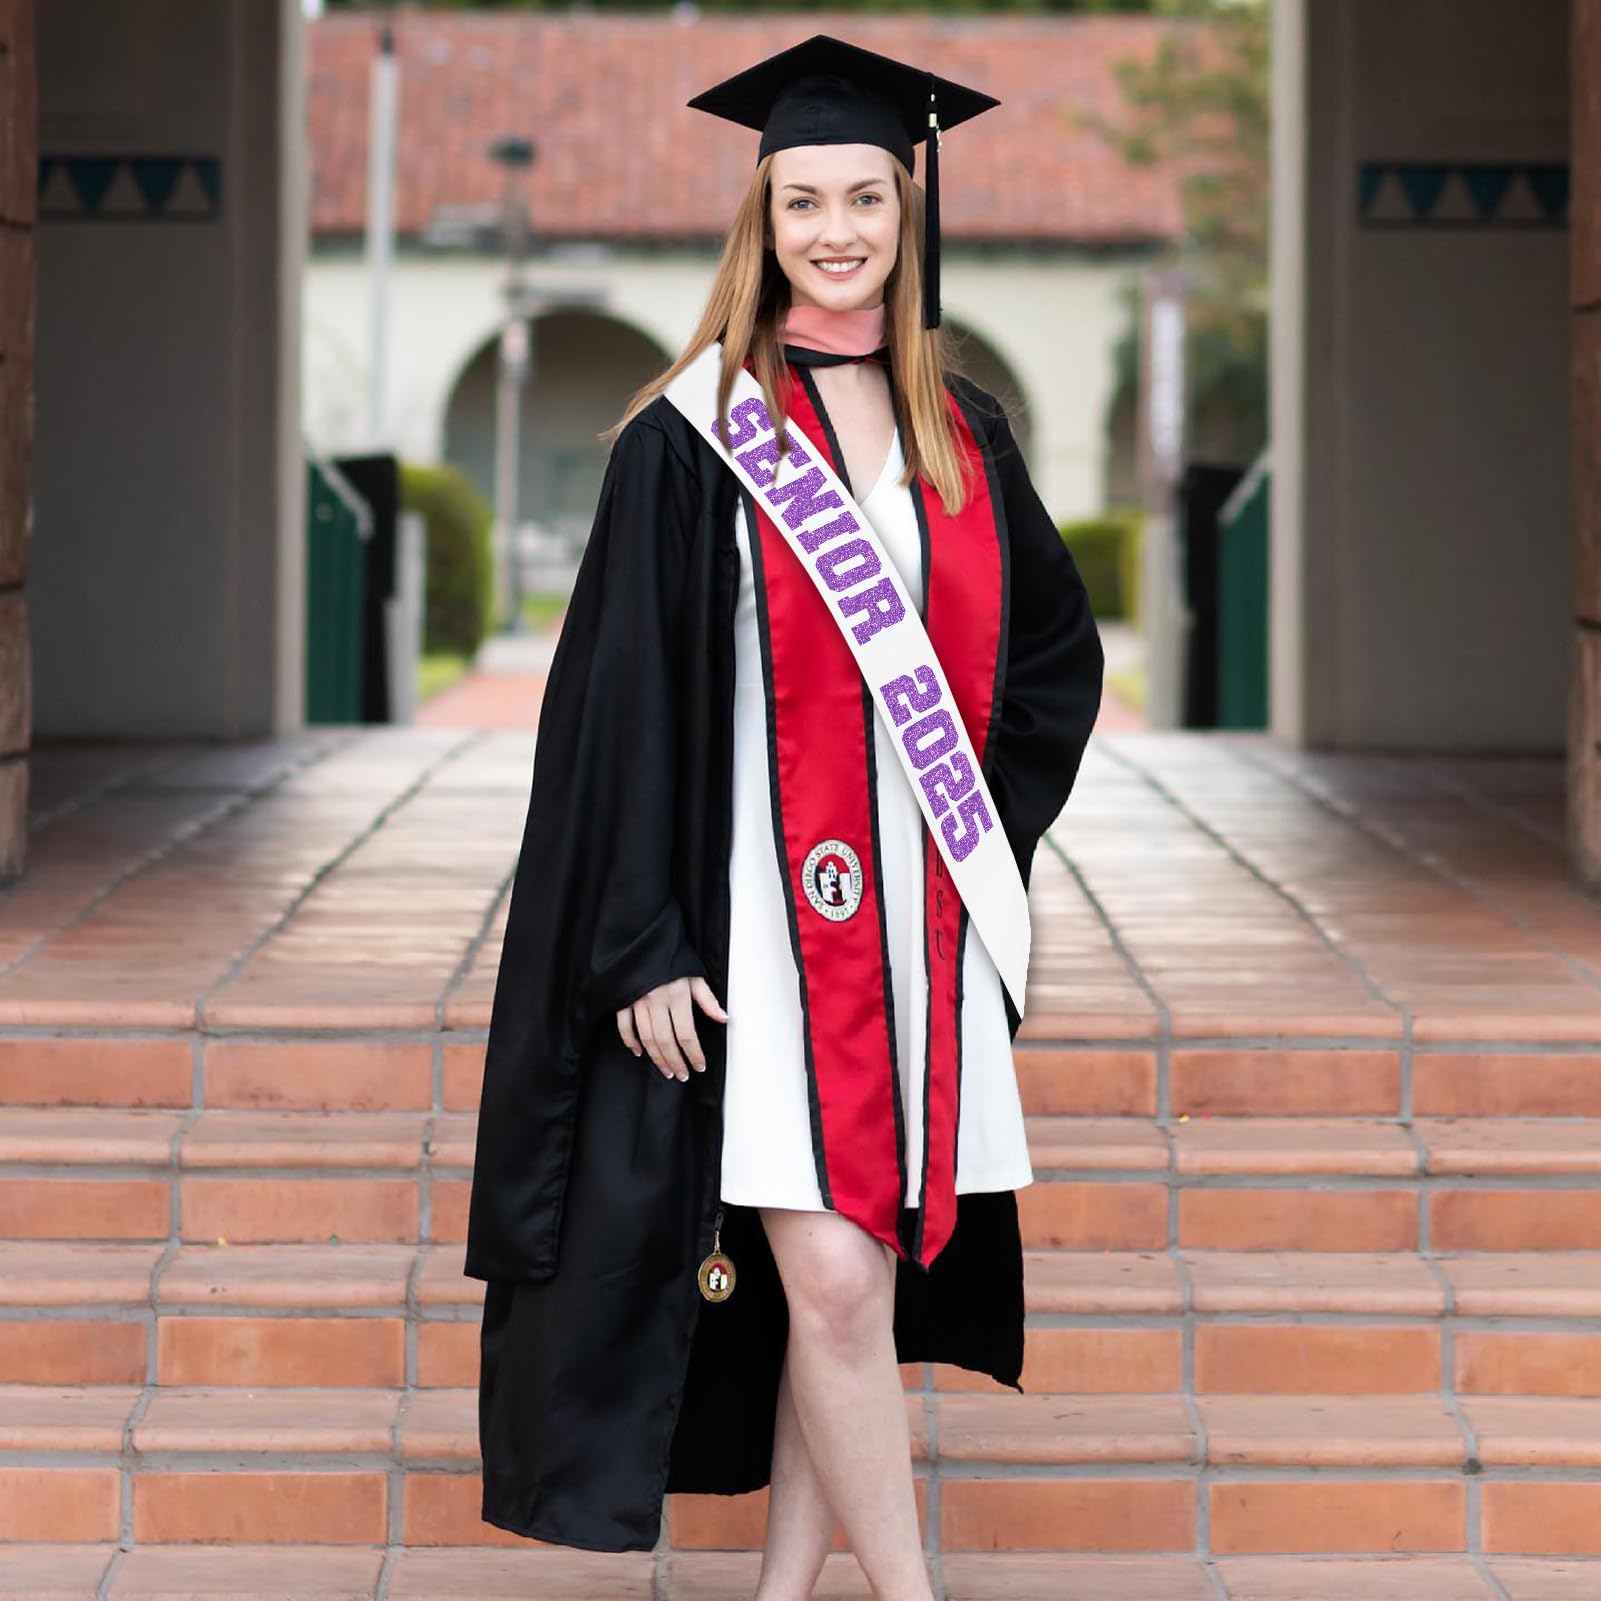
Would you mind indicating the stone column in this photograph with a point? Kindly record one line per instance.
(1584, 703)
(19, 163)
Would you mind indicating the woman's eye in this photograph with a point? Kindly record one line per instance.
(801, 200)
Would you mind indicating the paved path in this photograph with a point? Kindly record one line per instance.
(507, 684)
(503, 690)
(1196, 884)
(1312, 1067)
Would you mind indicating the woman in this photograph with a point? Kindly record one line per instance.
(725, 809)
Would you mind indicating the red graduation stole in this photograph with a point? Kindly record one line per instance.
(822, 762)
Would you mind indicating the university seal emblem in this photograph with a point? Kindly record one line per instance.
(832, 877)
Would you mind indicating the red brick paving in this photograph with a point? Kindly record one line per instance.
(1313, 1267)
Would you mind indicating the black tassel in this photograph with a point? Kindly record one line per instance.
(931, 309)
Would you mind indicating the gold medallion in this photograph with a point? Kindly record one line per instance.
(716, 1277)
(717, 1271)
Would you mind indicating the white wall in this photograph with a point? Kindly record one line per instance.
(1054, 321)
(166, 557)
(1430, 391)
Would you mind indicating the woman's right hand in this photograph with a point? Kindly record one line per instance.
(662, 1023)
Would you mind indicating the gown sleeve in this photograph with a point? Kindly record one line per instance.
(1055, 662)
(593, 921)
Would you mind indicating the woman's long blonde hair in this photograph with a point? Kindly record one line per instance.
(745, 309)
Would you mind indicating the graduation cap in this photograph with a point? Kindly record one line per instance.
(827, 92)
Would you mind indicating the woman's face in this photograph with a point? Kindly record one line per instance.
(836, 219)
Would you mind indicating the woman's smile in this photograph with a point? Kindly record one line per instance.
(835, 213)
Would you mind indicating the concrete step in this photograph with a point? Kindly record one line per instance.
(82, 1173)
(1099, 1322)
(325, 1573)
(425, 1070)
(445, 1074)
(1247, 1475)
(1269, 1337)
(1121, 1184)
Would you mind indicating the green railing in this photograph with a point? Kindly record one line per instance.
(1242, 666)
(338, 526)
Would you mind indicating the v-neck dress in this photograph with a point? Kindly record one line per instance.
(767, 1155)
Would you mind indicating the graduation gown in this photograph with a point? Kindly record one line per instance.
(606, 1379)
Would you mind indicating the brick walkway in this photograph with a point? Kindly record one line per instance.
(1313, 1067)
(508, 684)
(504, 689)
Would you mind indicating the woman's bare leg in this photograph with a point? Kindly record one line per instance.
(846, 1386)
(800, 1522)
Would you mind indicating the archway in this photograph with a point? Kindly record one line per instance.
(585, 365)
(976, 358)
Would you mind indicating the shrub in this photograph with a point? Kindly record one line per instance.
(458, 576)
(1107, 551)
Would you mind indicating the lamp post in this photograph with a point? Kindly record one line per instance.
(515, 156)
(381, 141)
(1164, 614)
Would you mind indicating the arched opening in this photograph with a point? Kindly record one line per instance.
(1122, 471)
(976, 358)
(583, 368)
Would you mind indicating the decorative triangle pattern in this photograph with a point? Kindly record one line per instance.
(82, 188)
(1473, 194)
(122, 197)
(189, 197)
(1488, 186)
(1456, 202)
(1520, 208)
(156, 177)
(58, 197)
(1389, 202)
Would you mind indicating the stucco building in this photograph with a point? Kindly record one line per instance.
(1045, 227)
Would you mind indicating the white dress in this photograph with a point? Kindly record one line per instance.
(767, 1142)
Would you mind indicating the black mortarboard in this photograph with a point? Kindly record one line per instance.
(827, 92)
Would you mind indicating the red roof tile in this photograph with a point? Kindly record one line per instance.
(620, 156)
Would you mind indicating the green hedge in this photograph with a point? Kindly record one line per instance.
(1107, 552)
(458, 581)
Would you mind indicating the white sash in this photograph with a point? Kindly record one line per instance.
(815, 513)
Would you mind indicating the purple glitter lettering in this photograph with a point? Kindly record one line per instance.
(748, 419)
(799, 499)
(908, 694)
(853, 551)
(761, 460)
(880, 604)
(764, 454)
(946, 782)
(939, 724)
(809, 539)
(976, 815)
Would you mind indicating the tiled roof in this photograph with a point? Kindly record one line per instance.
(619, 156)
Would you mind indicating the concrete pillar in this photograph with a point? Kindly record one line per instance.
(1584, 704)
(1422, 507)
(1292, 221)
(167, 575)
(18, 181)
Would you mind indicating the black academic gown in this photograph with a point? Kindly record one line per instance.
(606, 1379)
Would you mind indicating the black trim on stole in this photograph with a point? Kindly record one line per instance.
(868, 716)
(962, 922)
(928, 976)
(1003, 543)
(910, 1227)
(764, 631)
(1003, 540)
